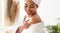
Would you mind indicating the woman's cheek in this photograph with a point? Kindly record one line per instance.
(33, 9)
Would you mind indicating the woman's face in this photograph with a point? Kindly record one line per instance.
(30, 7)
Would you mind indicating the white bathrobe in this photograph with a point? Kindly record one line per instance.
(35, 28)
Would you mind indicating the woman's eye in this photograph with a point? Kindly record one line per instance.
(32, 6)
(25, 6)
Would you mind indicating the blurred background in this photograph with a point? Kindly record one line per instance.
(1, 23)
(0, 13)
(49, 11)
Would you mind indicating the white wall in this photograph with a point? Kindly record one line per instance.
(1, 23)
(50, 10)
(0, 14)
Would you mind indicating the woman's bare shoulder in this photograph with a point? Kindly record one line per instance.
(36, 19)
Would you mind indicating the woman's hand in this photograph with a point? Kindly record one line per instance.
(27, 24)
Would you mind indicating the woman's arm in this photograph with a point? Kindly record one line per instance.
(21, 28)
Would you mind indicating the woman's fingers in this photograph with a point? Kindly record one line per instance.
(27, 24)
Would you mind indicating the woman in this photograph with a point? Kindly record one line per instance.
(32, 22)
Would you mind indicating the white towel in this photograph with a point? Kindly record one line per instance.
(35, 1)
(35, 28)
